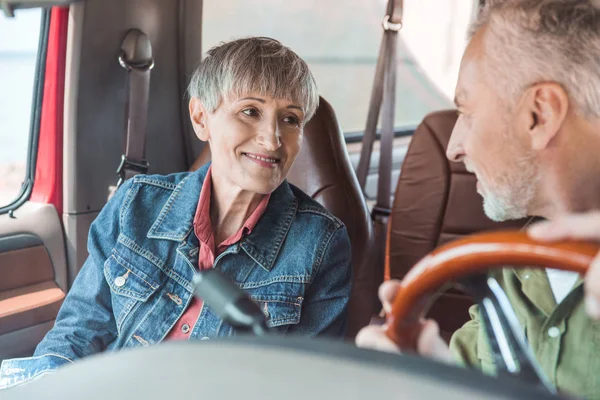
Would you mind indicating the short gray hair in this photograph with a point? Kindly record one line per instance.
(254, 65)
(531, 41)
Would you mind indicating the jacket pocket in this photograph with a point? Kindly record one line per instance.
(484, 349)
(129, 286)
(484, 352)
(280, 298)
(280, 311)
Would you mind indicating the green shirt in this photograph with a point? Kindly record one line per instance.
(564, 340)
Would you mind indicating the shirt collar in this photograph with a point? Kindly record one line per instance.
(202, 222)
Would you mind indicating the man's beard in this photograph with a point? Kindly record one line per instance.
(512, 194)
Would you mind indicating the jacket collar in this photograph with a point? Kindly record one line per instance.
(536, 286)
(176, 219)
(263, 244)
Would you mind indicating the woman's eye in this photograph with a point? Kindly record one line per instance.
(292, 120)
(251, 112)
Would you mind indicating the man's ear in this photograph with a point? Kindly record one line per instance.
(546, 105)
(199, 116)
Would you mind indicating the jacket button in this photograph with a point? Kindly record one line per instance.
(185, 329)
(554, 332)
(119, 281)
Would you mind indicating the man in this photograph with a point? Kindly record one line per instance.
(528, 97)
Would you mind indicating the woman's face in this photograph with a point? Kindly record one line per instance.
(254, 139)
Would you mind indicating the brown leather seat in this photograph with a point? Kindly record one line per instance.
(436, 201)
(323, 170)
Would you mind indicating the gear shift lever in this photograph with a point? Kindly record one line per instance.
(229, 302)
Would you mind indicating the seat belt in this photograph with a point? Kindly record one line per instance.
(136, 58)
(383, 100)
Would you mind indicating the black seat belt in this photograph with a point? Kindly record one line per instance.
(136, 58)
(383, 98)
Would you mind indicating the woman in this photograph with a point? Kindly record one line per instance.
(250, 99)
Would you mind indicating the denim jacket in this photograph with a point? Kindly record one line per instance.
(137, 280)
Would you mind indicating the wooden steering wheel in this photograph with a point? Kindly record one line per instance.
(474, 256)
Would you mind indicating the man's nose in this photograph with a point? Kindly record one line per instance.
(455, 151)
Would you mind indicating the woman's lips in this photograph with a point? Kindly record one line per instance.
(262, 160)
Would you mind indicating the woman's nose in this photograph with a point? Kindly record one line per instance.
(269, 136)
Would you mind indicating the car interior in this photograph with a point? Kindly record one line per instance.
(44, 243)
(78, 124)
(79, 137)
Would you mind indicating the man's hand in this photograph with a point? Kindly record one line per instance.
(430, 343)
(578, 227)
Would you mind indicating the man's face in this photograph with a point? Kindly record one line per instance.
(489, 139)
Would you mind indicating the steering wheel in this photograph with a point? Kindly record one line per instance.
(470, 259)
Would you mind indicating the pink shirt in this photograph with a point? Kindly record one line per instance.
(208, 252)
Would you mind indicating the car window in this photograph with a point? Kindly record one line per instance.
(340, 41)
(19, 39)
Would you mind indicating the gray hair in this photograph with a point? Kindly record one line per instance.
(254, 65)
(531, 41)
